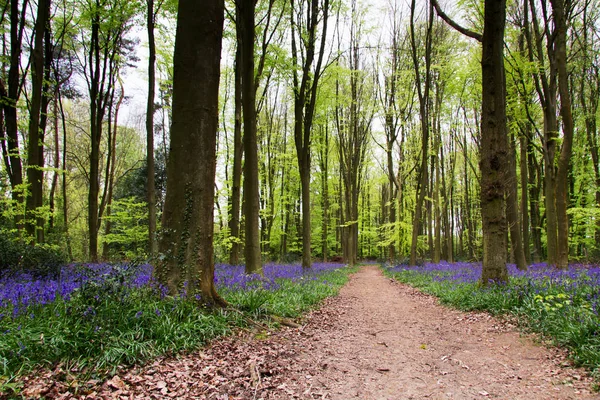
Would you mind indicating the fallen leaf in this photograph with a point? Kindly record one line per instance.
(116, 383)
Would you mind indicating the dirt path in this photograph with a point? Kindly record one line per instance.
(389, 341)
(377, 340)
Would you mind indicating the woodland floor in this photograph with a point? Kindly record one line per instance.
(377, 340)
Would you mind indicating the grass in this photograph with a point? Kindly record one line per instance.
(561, 305)
(114, 316)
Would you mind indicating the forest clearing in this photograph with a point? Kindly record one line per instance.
(170, 245)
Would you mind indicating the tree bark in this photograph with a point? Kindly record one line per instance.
(150, 186)
(10, 97)
(423, 93)
(251, 206)
(494, 143)
(238, 149)
(562, 190)
(112, 154)
(524, 198)
(34, 223)
(512, 209)
(186, 245)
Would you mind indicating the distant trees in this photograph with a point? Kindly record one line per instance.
(320, 153)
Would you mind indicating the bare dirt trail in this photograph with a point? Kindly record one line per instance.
(377, 340)
(389, 341)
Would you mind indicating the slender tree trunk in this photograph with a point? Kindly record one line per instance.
(234, 219)
(150, 170)
(305, 96)
(562, 190)
(304, 168)
(524, 198)
(437, 251)
(96, 119)
(512, 209)
(56, 164)
(325, 191)
(64, 177)
(10, 97)
(535, 188)
(111, 173)
(34, 223)
(423, 92)
(251, 205)
(468, 211)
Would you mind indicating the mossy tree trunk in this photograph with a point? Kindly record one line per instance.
(186, 245)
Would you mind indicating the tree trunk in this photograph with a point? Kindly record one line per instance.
(524, 197)
(111, 172)
(324, 160)
(512, 209)
(251, 205)
(494, 143)
(188, 226)
(234, 218)
(305, 96)
(34, 223)
(562, 190)
(56, 164)
(96, 114)
(423, 93)
(64, 177)
(535, 188)
(150, 188)
(10, 97)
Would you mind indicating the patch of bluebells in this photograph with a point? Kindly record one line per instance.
(580, 282)
(233, 276)
(19, 292)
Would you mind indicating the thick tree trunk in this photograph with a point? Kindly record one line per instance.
(187, 239)
(494, 144)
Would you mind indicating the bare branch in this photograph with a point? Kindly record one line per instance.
(449, 21)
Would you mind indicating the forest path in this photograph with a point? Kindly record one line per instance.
(386, 340)
(377, 340)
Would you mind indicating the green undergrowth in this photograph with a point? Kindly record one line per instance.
(94, 333)
(561, 312)
(292, 299)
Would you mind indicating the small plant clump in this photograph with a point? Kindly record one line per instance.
(562, 305)
(97, 317)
